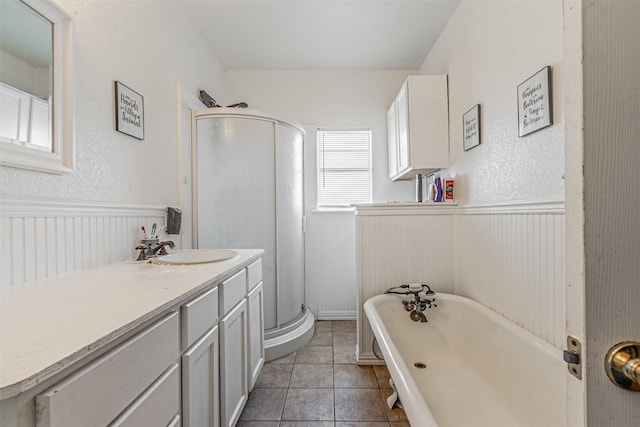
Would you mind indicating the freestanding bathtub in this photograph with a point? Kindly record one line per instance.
(481, 370)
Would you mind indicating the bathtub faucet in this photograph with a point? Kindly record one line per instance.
(417, 305)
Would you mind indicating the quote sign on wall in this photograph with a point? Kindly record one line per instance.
(471, 127)
(129, 111)
(534, 103)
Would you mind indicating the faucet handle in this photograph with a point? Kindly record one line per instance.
(142, 256)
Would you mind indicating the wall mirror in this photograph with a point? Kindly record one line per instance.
(36, 86)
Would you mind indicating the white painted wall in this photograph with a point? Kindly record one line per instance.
(23, 76)
(356, 99)
(149, 48)
(348, 99)
(488, 48)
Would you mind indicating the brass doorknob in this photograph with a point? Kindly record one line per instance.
(622, 365)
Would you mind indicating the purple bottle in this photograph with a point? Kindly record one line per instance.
(439, 193)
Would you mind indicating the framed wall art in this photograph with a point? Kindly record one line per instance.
(129, 111)
(471, 128)
(534, 103)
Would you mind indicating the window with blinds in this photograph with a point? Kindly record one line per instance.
(344, 167)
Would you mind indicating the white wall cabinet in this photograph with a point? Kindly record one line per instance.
(25, 118)
(234, 390)
(418, 127)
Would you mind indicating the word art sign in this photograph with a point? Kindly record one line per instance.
(129, 111)
(471, 128)
(534, 103)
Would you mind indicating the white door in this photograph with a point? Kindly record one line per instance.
(602, 158)
(256, 333)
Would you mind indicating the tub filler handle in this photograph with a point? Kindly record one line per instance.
(417, 305)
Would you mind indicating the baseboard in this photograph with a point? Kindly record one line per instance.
(336, 315)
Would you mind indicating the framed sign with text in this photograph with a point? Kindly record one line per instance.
(534, 103)
(129, 111)
(471, 128)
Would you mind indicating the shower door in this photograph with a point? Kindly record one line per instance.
(235, 192)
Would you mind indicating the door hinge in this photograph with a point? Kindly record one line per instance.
(573, 357)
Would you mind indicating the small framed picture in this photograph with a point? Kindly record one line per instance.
(534, 103)
(129, 111)
(471, 128)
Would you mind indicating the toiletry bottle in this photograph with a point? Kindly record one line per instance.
(448, 189)
(439, 195)
(419, 188)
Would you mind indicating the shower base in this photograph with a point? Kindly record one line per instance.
(290, 337)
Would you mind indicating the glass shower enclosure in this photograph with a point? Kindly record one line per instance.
(248, 188)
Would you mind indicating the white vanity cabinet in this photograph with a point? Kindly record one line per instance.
(99, 392)
(200, 361)
(418, 127)
(188, 358)
(255, 314)
(234, 390)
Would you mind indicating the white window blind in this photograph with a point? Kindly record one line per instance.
(344, 167)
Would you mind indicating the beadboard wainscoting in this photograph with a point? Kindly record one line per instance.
(330, 271)
(42, 238)
(510, 258)
(397, 245)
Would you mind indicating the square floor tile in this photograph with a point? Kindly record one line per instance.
(258, 424)
(344, 325)
(324, 325)
(288, 359)
(264, 404)
(308, 405)
(312, 376)
(359, 405)
(344, 338)
(362, 424)
(395, 414)
(315, 354)
(321, 338)
(354, 376)
(274, 376)
(344, 354)
(383, 376)
(307, 424)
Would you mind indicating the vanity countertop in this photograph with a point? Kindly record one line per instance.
(49, 324)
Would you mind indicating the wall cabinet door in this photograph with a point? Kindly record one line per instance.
(234, 382)
(392, 137)
(418, 127)
(402, 111)
(201, 382)
(255, 313)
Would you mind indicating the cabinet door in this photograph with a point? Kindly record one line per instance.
(201, 382)
(392, 140)
(256, 333)
(402, 112)
(233, 364)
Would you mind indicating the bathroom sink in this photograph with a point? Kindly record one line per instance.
(195, 256)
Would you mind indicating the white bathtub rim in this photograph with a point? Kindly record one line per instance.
(416, 408)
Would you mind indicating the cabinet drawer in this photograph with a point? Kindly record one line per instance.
(97, 393)
(198, 316)
(254, 275)
(158, 405)
(233, 291)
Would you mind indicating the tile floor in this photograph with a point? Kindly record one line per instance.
(321, 385)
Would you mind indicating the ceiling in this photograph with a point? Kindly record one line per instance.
(320, 34)
(33, 46)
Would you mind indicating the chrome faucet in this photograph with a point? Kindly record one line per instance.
(417, 305)
(160, 249)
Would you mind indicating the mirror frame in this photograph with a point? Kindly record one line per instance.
(62, 158)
